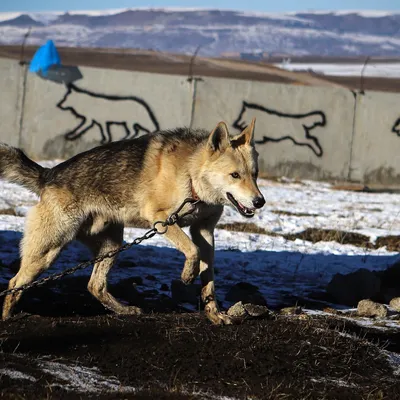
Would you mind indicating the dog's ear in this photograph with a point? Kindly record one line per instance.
(246, 137)
(219, 138)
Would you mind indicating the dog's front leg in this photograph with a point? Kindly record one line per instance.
(184, 244)
(203, 236)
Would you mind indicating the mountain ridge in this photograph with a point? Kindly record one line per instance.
(216, 31)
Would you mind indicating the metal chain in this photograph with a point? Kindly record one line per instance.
(171, 220)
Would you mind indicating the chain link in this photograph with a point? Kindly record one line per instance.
(171, 220)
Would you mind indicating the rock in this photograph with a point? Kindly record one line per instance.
(368, 308)
(137, 280)
(390, 283)
(240, 310)
(291, 310)
(15, 265)
(395, 303)
(237, 310)
(164, 287)
(182, 293)
(126, 289)
(330, 310)
(125, 264)
(247, 293)
(351, 288)
(151, 278)
(255, 310)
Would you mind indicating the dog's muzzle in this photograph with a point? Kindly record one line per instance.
(245, 211)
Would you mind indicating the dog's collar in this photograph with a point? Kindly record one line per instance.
(194, 194)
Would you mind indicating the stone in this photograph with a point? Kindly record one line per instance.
(137, 280)
(296, 310)
(237, 310)
(126, 264)
(247, 293)
(182, 293)
(395, 304)
(369, 308)
(351, 288)
(164, 287)
(240, 310)
(390, 283)
(255, 310)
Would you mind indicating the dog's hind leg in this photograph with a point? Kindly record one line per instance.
(107, 240)
(46, 233)
(203, 236)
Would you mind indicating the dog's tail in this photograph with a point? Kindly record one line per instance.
(16, 167)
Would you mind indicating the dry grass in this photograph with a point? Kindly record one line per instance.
(293, 214)
(7, 211)
(248, 227)
(315, 235)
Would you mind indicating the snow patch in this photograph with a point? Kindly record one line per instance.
(83, 379)
(16, 375)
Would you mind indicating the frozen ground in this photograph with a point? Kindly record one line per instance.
(384, 70)
(282, 269)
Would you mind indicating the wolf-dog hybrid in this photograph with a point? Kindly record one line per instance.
(92, 195)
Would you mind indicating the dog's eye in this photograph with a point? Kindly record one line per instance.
(235, 175)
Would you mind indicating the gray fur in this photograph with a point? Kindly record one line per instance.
(16, 167)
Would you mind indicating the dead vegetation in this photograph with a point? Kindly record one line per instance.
(174, 356)
(293, 214)
(392, 243)
(316, 235)
(8, 211)
(248, 227)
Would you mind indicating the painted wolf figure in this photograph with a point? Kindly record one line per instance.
(294, 127)
(90, 196)
(104, 111)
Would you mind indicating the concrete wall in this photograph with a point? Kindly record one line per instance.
(106, 105)
(11, 98)
(301, 131)
(376, 145)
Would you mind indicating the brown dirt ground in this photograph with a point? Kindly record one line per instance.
(169, 353)
(169, 356)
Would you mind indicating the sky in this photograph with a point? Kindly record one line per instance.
(250, 5)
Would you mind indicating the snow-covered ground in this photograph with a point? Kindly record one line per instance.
(374, 69)
(280, 268)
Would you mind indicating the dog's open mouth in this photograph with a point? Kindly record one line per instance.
(246, 212)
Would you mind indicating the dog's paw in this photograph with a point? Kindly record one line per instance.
(217, 317)
(224, 319)
(190, 271)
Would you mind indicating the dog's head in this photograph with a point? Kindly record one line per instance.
(231, 169)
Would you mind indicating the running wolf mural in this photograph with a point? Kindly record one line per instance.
(396, 127)
(299, 133)
(95, 110)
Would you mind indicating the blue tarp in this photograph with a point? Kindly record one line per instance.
(45, 56)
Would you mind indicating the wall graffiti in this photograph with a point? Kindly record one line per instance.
(104, 112)
(396, 127)
(300, 136)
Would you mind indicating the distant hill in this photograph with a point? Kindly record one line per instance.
(22, 21)
(351, 33)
